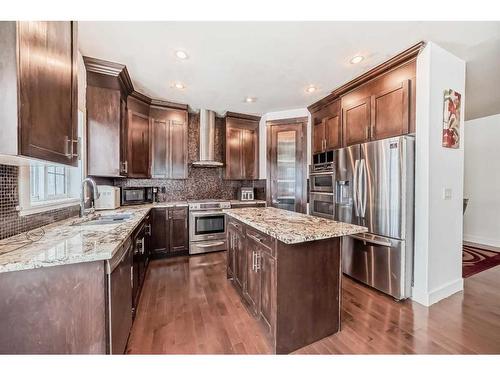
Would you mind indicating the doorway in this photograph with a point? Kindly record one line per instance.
(286, 164)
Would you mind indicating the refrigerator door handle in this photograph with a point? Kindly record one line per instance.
(363, 189)
(355, 188)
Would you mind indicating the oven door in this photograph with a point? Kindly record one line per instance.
(322, 205)
(323, 182)
(207, 225)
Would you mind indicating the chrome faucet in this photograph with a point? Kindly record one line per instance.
(95, 195)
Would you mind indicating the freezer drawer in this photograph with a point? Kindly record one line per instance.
(379, 262)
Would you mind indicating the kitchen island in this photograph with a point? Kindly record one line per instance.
(286, 267)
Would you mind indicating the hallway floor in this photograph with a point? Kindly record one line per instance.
(189, 307)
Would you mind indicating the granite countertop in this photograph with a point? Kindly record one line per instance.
(255, 201)
(63, 243)
(292, 227)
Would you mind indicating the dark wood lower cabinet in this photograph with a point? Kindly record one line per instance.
(267, 291)
(82, 308)
(293, 290)
(251, 291)
(169, 231)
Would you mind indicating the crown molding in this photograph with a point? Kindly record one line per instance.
(400, 59)
(111, 69)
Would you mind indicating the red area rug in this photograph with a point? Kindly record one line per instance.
(476, 259)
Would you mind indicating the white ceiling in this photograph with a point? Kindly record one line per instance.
(275, 61)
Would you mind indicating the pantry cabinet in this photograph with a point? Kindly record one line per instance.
(241, 146)
(38, 80)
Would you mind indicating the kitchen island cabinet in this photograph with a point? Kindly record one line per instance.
(286, 268)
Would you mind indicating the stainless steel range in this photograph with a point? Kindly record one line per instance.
(207, 225)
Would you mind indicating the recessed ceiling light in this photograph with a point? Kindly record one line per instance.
(181, 54)
(250, 99)
(179, 86)
(357, 59)
(311, 88)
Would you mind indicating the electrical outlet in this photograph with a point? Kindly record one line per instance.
(447, 193)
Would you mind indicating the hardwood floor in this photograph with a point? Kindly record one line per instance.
(188, 307)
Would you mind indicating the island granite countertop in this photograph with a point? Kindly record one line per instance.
(63, 242)
(292, 227)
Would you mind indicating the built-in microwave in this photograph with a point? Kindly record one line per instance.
(322, 178)
(136, 195)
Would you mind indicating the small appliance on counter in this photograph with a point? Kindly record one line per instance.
(246, 194)
(108, 199)
(136, 195)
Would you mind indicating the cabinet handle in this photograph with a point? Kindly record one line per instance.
(367, 132)
(258, 239)
(124, 168)
(148, 229)
(68, 147)
(257, 261)
(78, 146)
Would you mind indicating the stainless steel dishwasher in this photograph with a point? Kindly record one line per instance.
(119, 275)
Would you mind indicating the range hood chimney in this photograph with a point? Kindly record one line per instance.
(207, 141)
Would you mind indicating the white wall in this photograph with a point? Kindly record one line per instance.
(482, 180)
(291, 113)
(438, 222)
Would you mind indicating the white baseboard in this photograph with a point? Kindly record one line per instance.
(429, 298)
(495, 242)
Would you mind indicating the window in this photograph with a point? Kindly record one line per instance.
(44, 187)
(49, 183)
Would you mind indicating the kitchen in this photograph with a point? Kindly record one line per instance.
(185, 228)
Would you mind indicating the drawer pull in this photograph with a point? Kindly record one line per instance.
(258, 239)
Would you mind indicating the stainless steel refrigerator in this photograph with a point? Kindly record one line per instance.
(375, 188)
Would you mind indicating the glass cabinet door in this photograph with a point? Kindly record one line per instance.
(286, 178)
(287, 168)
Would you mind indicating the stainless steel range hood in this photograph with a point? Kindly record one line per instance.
(207, 141)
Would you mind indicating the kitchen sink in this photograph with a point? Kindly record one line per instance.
(106, 219)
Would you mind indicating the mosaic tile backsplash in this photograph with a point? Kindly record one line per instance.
(202, 183)
(10, 221)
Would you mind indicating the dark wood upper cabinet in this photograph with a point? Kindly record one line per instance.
(169, 143)
(376, 105)
(38, 79)
(356, 122)
(108, 85)
(319, 136)
(333, 132)
(138, 139)
(390, 112)
(327, 128)
(242, 147)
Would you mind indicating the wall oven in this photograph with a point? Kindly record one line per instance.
(136, 195)
(322, 177)
(207, 226)
(322, 190)
(322, 205)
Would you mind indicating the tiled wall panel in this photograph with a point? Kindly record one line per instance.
(10, 221)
